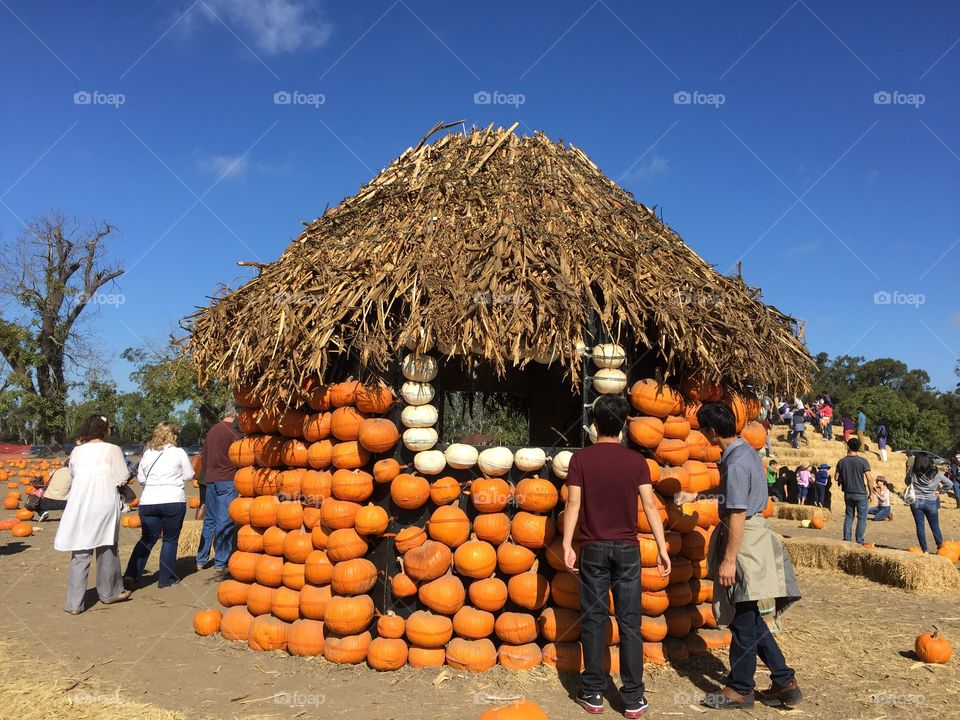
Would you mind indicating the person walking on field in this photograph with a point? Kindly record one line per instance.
(163, 471)
(882, 440)
(854, 478)
(219, 472)
(927, 482)
(607, 482)
(750, 564)
(91, 520)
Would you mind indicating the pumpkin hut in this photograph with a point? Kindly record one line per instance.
(482, 262)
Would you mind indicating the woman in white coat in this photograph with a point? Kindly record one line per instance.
(91, 521)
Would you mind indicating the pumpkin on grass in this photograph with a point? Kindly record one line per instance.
(386, 654)
(931, 647)
(472, 655)
(207, 622)
(235, 623)
(305, 638)
(267, 633)
(519, 710)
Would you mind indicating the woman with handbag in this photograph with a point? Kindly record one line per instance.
(91, 519)
(163, 471)
(922, 494)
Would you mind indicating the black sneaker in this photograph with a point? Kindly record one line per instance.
(591, 702)
(636, 710)
(43, 516)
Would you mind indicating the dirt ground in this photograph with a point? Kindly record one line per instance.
(850, 640)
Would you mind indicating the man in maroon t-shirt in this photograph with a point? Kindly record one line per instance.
(219, 472)
(604, 483)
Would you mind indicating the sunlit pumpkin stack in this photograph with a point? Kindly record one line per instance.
(360, 541)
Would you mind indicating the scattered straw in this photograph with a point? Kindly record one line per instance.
(921, 573)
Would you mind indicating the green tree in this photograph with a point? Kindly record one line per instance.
(168, 378)
(49, 276)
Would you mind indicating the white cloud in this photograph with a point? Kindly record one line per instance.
(276, 26)
(229, 167)
(657, 165)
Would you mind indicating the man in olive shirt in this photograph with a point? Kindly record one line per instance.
(854, 478)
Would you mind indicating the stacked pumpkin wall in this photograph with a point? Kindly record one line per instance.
(358, 540)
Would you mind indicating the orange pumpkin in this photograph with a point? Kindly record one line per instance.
(353, 485)
(475, 559)
(472, 655)
(348, 615)
(235, 624)
(350, 455)
(444, 491)
(492, 527)
(377, 435)
(646, 431)
(537, 495)
(489, 594)
(386, 654)
(652, 398)
(755, 435)
(445, 595)
(346, 649)
(231, 592)
(316, 427)
(450, 525)
(426, 630)
(374, 399)
(532, 531)
(931, 647)
(345, 423)
(305, 638)
(409, 491)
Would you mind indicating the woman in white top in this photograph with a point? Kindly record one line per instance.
(91, 519)
(163, 470)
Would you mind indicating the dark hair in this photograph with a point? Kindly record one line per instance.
(923, 466)
(95, 427)
(718, 417)
(853, 444)
(610, 414)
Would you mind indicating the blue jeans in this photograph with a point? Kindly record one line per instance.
(956, 491)
(163, 520)
(219, 495)
(606, 565)
(206, 531)
(856, 503)
(929, 509)
(802, 494)
(752, 639)
(880, 513)
(828, 432)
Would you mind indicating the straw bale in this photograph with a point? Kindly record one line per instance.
(921, 573)
(790, 511)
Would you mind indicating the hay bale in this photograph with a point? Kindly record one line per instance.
(921, 573)
(789, 511)
(189, 538)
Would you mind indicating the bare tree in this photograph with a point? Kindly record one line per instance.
(49, 275)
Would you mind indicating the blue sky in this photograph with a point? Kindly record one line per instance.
(756, 128)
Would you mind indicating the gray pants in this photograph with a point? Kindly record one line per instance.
(109, 582)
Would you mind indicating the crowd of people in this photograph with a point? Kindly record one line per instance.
(607, 485)
(94, 487)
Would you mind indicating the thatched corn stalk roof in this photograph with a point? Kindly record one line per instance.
(498, 247)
